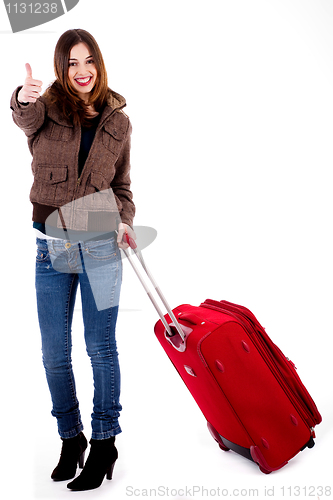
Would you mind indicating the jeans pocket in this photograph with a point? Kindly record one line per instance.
(43, 253)
(104, 250)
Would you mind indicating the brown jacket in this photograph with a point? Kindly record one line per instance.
(54, 143)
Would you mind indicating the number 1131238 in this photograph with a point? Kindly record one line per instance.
(32, 8)
(306, 491)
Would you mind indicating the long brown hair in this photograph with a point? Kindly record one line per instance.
(61, 92)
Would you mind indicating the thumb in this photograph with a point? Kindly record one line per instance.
(28, 70)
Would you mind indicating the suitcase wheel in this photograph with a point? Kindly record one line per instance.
(223, 447)
(217, 437)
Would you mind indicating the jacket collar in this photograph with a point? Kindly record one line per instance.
(114, 101)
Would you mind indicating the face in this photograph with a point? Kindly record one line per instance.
(82, 71)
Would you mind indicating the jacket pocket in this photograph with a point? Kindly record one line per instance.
(98, 194)
(50, 184)
(113, 138)
(96, 182)
(56, 132)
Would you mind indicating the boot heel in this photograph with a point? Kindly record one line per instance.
(109, 472)
(81, 460)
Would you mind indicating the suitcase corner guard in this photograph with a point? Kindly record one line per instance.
(253, 454)
(258, 457)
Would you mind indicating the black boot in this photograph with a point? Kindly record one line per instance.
(72, 453)
(99, 464)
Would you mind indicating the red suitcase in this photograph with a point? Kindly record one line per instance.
(249, 392)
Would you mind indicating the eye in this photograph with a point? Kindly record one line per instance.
(91, 61)
(71, 64)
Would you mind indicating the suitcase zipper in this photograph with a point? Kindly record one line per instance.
(307, 408)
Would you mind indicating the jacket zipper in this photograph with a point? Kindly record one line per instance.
(97, 130)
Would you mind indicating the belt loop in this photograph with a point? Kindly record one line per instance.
(50, 244)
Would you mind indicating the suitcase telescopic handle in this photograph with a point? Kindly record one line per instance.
(130, 241)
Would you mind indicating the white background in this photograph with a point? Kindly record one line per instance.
(231, 104)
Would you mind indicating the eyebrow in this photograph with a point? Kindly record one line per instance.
(73, 59)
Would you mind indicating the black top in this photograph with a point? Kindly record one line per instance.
(87, 137)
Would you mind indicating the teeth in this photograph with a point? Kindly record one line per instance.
(83, 80)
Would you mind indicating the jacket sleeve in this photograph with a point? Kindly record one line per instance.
(29, 117)
(121, 182)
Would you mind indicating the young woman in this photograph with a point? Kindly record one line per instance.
(79, 138)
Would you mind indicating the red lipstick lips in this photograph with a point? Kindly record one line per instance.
(83, 82)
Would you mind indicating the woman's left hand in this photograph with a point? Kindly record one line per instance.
(122, 229)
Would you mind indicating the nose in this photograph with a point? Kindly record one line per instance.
(82, 73)
(82, 70)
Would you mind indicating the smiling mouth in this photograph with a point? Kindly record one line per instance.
(83, 81)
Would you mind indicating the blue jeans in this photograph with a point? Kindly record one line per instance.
(97, 267)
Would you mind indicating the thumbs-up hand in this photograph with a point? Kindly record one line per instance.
(31, 89)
